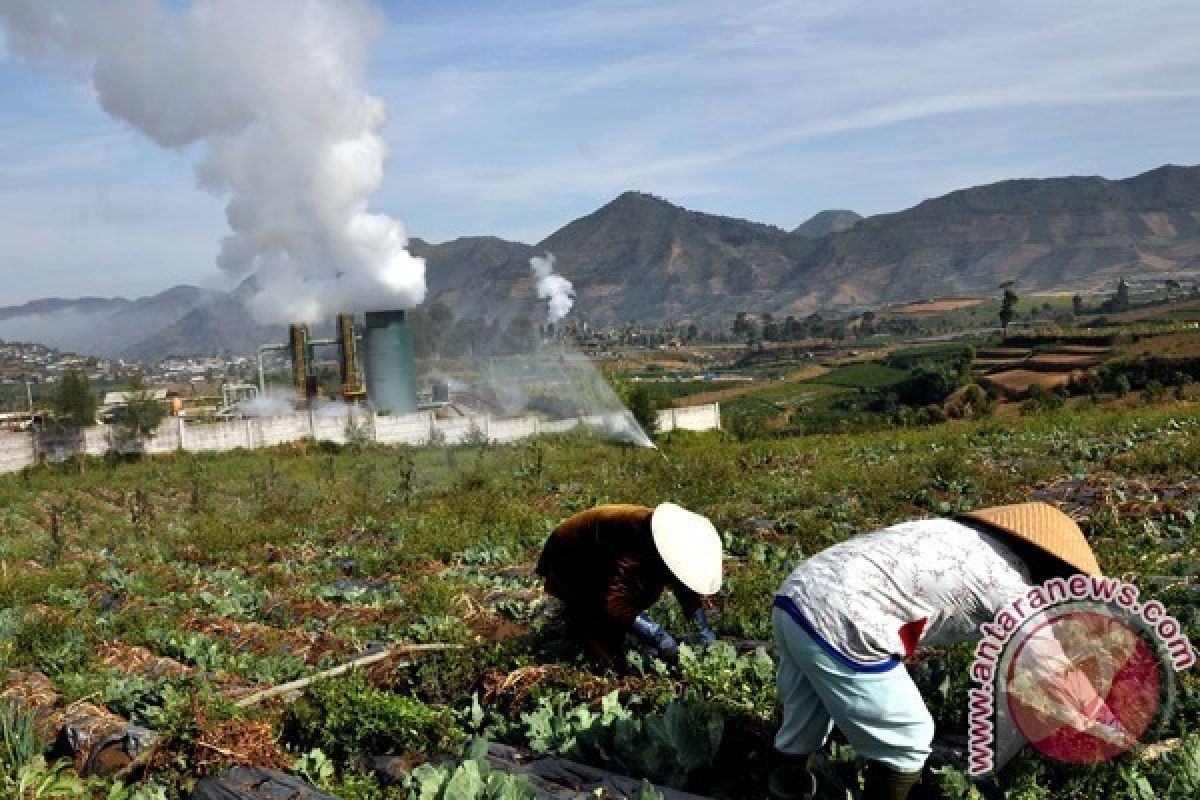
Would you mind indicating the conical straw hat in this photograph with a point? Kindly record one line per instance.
(1043, 526)
(689, 545)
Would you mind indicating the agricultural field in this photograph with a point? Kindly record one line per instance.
(865, 375)
(164, 592)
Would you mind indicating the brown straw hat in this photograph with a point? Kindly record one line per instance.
(1044, 527)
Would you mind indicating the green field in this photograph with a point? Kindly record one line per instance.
(254, 568)
(868, 375)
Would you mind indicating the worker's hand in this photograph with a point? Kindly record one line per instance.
(668, 648)
(652, 633)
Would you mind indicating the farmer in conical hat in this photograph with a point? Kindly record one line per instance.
(847, 618)
(612, 562)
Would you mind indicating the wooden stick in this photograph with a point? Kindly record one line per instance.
(215, 749)
(341, 669)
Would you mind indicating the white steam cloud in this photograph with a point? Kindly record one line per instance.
(271, 92)
(552, 287)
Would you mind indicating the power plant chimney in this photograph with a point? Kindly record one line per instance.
(390, 369)
(303, 376)
(352, 388)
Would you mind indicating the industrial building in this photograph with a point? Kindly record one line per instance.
(376, 366)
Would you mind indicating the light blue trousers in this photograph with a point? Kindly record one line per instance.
(880, 713)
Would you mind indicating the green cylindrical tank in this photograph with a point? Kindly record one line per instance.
(391, 372)
(441, 392)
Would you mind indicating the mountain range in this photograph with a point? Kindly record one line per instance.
(643, 259)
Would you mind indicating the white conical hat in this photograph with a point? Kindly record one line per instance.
(689, 545)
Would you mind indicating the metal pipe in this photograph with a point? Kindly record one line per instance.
(298, 343)
(262, 379)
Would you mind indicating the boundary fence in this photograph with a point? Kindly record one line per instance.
(22, 449)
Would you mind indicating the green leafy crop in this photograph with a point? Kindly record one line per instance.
(349, 718)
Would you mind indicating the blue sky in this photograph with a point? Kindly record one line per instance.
(512, 118)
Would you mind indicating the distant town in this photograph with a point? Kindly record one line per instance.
(29, 373)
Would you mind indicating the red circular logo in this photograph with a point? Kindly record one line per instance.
(1083, 686)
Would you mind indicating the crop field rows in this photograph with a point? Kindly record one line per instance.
(177, 585)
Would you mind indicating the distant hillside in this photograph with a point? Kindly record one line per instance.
(639, 258)
(1067, 234)
(825, 222)
(101, 326)
(478, 276)
(642, 259)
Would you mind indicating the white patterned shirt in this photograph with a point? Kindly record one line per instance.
(875, 597)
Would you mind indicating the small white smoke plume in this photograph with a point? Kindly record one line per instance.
(552, 287)
(272, 404)
(271, 92)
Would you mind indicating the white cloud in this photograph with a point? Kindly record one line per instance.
(512, 118)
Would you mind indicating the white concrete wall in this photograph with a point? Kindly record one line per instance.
(510, 430)
(216, 436)
(19, 450)
(16, 451)
(414, 429)
(690, 418)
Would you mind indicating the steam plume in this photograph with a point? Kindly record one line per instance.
(271, 92)
(552, 287)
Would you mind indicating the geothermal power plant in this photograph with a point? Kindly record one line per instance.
(377, 368)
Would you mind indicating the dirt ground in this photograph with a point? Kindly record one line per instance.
(937, 305)
(1172, 345)
(1021, 380)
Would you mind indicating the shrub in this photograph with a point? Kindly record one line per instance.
(349, 719)
(931, 414)
(928, 384)
(1040, 399)
(644, 407)
(972, 402)
(1081, 383)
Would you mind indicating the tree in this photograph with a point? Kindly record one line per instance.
(964, 363)
(1077, 306)
(140, 414)
(1172, 286)
(770, 330)
(1008, 306)
(744, 327)
(866, 324)
(75, 408)
(644, 407)
(791, 327)
(74, 401)
(1123, 299)
(928, 383)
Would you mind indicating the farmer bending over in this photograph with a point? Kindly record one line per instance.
(846, 618)
(610, 563)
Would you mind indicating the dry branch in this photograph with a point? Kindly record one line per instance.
(293, 689)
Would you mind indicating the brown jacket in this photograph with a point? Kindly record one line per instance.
(603, 565)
